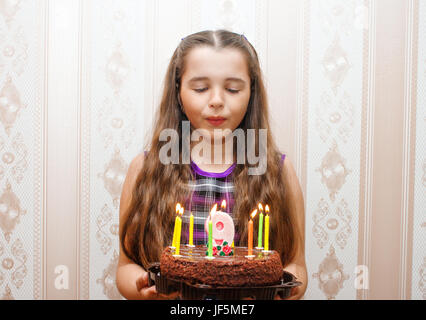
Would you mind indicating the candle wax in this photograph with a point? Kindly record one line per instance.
(267, 232)
(210, 253)
(178, 232)
(191, 230)
(250, 237)
(260, 234)
(174, 233)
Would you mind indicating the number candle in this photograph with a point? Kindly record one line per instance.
(250, 233)
(179, 229)
(267, 228)
(260, 231)
(191, 230)
(178, 206)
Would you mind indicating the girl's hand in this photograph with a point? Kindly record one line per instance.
(150, 293)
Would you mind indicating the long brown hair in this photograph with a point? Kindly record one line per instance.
(148, 221)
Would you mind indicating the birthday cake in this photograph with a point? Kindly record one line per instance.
(192, 266)
(218, 263)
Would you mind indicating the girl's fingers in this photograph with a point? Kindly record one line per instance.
(149, 293)
(170, 296)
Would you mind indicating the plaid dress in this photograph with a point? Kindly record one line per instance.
(209, 188)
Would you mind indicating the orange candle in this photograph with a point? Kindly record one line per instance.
(250, 233)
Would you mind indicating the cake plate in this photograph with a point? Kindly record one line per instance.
(189, 291)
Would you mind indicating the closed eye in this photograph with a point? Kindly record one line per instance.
(233, 90)
(204, 89)
(200, 90)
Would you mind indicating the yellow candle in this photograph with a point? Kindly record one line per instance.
(260, 230)
(267, 228)
(178, 232)
(191, 230)
(178, 206)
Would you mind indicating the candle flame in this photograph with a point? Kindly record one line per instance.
(178, 206)
(253, 214)
(260, 207)
(223, 205)
(267, 209)
(181, 211)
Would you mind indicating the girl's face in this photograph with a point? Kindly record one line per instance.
(215, 88)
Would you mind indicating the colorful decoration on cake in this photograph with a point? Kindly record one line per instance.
(220, 227)
(221, 230)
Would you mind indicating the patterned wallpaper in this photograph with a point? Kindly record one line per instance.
(80, 81)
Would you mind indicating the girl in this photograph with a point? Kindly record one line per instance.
(213, 81)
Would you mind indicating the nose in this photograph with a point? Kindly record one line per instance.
(216, 100)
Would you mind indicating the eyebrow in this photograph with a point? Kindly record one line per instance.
(195, 79)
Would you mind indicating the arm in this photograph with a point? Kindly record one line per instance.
(128, 271)
(131, 279)
(294, 199)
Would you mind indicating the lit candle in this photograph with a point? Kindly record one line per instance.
(210, 239)
(178, 206)
(260, 231)
(191, 230)
(210, 245)
(250, 233)
(178, 232)
(267, 228)
(223, 205)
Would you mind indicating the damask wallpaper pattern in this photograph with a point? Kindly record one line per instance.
(80, 81)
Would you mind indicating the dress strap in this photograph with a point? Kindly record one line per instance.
(282, 159)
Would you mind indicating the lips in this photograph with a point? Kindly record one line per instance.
(216, 121)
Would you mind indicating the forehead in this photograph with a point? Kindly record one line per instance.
(215, 64)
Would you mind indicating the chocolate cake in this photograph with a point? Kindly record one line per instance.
(231, 271)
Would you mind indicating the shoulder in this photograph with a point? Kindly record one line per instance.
(133, 170)
(137, 163)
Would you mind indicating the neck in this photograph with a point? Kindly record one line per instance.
(212, 154)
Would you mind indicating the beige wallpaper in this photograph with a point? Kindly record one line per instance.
(79, 83)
